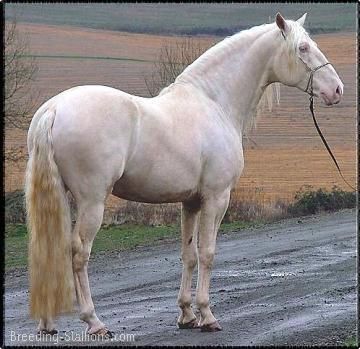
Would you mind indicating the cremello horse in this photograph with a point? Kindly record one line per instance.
(184, 145)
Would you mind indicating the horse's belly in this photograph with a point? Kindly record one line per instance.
(154, 190)
(150, 195)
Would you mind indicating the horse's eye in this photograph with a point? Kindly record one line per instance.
(304, 48)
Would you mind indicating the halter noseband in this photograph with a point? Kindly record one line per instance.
(310, 81)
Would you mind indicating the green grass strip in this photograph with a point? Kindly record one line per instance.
(109, 238)
(351, 342)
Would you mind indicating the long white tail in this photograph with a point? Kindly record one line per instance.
(49, 226)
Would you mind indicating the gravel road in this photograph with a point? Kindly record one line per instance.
(288, 283)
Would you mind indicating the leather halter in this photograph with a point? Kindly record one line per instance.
(310, 81)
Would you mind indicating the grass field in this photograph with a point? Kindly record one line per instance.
(351, 342)
(211, 18)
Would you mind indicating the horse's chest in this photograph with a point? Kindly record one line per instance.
(225, 164)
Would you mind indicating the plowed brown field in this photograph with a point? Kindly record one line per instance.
(284, 152)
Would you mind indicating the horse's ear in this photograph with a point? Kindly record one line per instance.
(281, 23)
(301, 20)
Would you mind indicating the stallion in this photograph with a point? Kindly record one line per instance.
(184, 145)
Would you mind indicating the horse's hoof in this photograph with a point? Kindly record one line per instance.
(189, 325)
(45, 332)
(104, 333)
(214, 327)
(108, 334)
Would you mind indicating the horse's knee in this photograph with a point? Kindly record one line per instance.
(189, 259)
(206, 256)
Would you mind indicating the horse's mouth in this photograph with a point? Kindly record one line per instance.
(328, 101)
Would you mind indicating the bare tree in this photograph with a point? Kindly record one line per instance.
(173, 59)
(20, 69)
(15, 154)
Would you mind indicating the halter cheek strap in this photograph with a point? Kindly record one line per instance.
(310, 81)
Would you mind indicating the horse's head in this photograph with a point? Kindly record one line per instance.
(301, 64)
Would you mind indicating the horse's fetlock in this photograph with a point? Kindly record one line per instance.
(202, 302)
(184, 301)
(87, 314)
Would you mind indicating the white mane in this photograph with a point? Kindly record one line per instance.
(222, 49)
(239, 41)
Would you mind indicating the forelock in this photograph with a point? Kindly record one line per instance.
(293, 37)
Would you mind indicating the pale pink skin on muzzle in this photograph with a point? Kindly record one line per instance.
(331, 87)
(332, 95)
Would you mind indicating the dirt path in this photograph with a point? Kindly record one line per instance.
(291, 282)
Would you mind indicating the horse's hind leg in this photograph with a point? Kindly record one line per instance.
(189, 230)
(89, 220)
(47, 326)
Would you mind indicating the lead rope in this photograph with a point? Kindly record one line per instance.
(311, 99)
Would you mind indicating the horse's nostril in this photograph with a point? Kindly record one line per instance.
(338, 90)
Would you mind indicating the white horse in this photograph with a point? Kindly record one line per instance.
(184, 145)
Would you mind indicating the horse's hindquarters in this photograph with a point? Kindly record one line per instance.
(92, 136)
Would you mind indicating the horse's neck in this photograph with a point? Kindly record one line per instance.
(235, 72)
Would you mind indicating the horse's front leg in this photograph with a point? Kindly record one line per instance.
(189, 231)
(212, 212)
